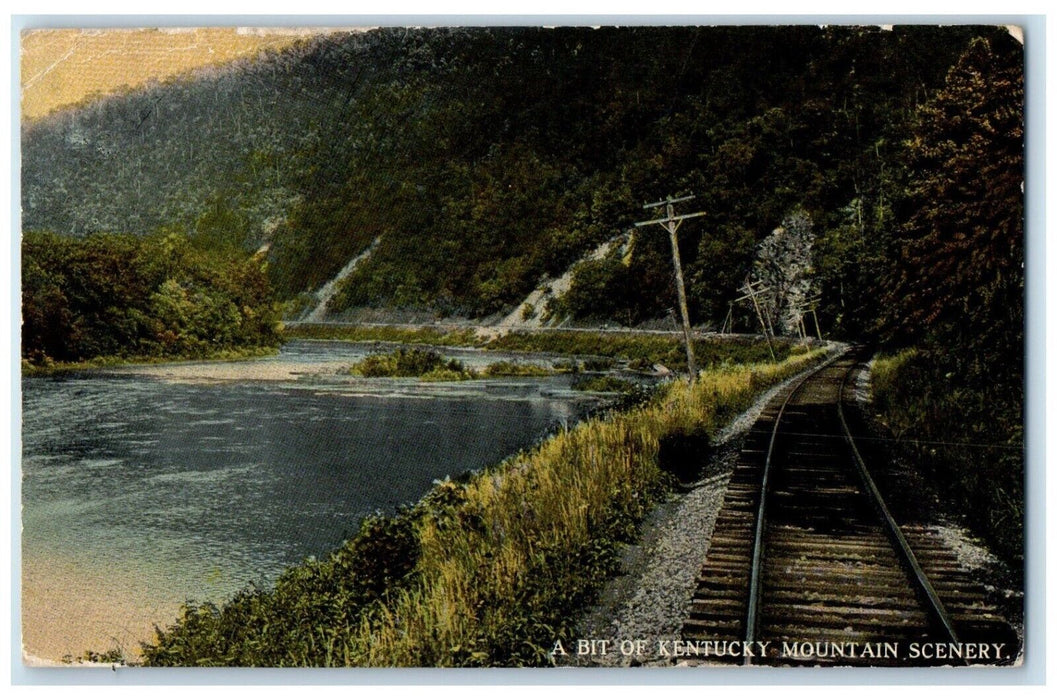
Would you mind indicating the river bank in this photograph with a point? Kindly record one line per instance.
(489, 570)
(146, 486)
(59, 368)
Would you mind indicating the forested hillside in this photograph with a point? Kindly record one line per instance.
(486, 159)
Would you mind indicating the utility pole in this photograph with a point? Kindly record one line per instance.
(671, 223)
(812, 308)
(753, 290)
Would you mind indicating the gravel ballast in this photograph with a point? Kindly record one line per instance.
(647, 603)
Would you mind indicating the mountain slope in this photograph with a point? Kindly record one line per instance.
(488, 160)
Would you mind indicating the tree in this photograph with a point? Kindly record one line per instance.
(48, 324)
(129, 296)
(724, 256)
(956, 290)
(958, 278)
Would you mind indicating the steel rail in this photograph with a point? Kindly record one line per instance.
(756, 570)
(903, 549)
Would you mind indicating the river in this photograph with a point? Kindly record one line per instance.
(144, 487)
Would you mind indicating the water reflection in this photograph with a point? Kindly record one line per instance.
(129, 472)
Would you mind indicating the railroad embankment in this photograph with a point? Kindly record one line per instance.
(489, 570)
(650, 597)
(642, 348)
(968, 442)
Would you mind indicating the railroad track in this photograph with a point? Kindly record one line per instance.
(807, 565)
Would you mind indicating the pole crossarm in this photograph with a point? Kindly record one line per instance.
(749, 295)
(653, 205)
(752, 291)
(669, 219)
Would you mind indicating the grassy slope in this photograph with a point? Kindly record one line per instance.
(968, 446)
(460, 337)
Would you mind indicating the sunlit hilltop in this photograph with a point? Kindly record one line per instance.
(61, 67)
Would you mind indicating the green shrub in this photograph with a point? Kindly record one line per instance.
(409, 362)
(567, 366)
(299, 620)
(504, 368)
(445, 374)
(603, 383)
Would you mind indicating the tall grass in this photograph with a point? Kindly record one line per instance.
(546, 525)
(968, 441)
(499, 564)
(643, 348)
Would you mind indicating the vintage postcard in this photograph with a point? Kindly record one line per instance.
(653, 346)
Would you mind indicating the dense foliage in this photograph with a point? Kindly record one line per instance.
(488, 158)
(955, 291)
(969, 451)
(957, 261)
(121, 296)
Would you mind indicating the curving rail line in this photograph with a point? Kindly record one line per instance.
(808, 565)
(755, 577)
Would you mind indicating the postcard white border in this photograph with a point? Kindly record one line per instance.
(1039, 261)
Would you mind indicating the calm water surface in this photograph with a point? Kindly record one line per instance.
(201, 488)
